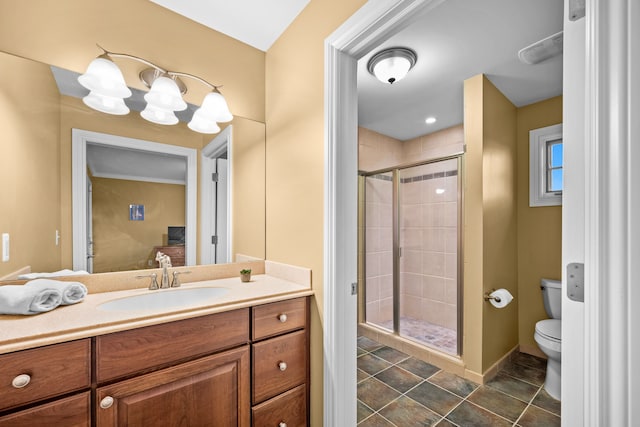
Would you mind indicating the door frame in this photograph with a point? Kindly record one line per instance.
(612, 238)
(79, 140)
(218, 145)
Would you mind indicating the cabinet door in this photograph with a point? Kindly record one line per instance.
(212, 391)
(72, 411)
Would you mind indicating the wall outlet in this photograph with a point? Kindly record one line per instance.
(5, 247)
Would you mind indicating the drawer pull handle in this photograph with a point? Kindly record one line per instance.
(282, 318)
(282, 424)
(106, 403)
(282, 366)
(21, 380)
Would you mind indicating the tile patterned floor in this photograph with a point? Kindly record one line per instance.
(436, 336)
(395, 389)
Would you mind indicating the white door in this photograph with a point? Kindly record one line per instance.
(90, 254)
(221, 209)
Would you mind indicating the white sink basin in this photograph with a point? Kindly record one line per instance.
(161, 299)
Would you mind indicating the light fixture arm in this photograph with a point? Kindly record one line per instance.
(157, 67)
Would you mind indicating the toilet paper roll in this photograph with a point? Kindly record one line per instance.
(500, 298)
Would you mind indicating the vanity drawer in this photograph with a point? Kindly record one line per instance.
(279, 364)
(289, 408)
(125, 353)
(278, 317)
(49, 371)
(74, 411)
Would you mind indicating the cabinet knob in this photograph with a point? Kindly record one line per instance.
(282, 318)
(282, 424)
(21, 380)
(282, 366)
(106, 403)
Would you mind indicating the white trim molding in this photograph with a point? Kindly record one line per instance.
(612, 205)
(79, 140)
(367, 28)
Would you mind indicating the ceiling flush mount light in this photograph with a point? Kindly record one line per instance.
(393, 64)
(108, 89)
(430, 120)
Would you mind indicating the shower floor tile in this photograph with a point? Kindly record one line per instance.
(402, 391)
(435, 336)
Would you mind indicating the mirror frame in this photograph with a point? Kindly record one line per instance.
(79, 140)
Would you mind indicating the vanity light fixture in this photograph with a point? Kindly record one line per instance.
(393, 64)
(430, 120)
(108, 89)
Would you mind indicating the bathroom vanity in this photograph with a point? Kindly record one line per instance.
(243, 363)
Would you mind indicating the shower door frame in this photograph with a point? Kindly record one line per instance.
(396, 249)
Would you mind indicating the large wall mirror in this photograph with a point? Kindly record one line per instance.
(87, 190)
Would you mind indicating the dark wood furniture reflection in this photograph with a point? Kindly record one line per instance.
(175, 252)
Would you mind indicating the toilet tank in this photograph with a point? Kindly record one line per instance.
(552, 297)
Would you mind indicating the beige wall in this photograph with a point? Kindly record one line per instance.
(29, 168)
(295, 155)
(121, 244)
(490, 223)
(539, 229)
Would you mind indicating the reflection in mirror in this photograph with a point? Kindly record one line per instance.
(37, 197)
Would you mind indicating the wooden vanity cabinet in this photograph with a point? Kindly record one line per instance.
(280, 364)
(37, 376)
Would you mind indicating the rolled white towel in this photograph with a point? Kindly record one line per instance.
(59, 273)
(72, 292)
(16, 299)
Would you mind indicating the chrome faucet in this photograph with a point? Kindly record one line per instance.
(154, 281)
(164, 282)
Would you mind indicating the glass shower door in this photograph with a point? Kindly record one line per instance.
(378, 250)
(428, 212)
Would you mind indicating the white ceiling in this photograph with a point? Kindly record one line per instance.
(458, 40)
(257, 23)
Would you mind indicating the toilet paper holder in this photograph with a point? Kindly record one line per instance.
(488, 296)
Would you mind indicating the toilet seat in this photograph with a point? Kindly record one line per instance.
(550, 329)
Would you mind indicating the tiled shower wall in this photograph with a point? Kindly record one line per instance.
(429, 242)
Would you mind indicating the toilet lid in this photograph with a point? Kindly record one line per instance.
(550, 328)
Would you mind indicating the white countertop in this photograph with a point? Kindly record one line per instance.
(86, 319)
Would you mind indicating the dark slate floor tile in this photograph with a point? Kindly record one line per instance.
(360, 351)
(513, 387)
(536, 417)
(470, 415)
(544, 401)
(368, 344)
(375, 421)
(445, 423)
(434, 398)
(418, 367)
(525, 373)
(407, 412)
(399, 379)
(453, 383)
(362, 375)
(372, 364)
(529, 360)
(391, 355)
(495, 401)
(363, 411)
(375, 394)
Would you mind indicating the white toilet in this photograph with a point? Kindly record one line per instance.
(548, 334)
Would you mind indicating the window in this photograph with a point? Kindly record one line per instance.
(545, 166)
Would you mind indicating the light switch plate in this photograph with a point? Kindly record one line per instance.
(5, 247)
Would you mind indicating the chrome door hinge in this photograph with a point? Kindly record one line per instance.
(214, 177)
(354, 288)
(575, 281)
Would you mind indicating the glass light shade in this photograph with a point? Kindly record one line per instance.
(105, 78)
(164, 94)
(392, 69)
(214, 108)
(200, 123)
(159, 116)
(106, 104)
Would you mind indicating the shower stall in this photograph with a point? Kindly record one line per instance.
(411, 252)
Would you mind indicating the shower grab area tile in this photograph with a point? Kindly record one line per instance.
(398, 390)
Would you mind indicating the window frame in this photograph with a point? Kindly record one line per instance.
(538, 166)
